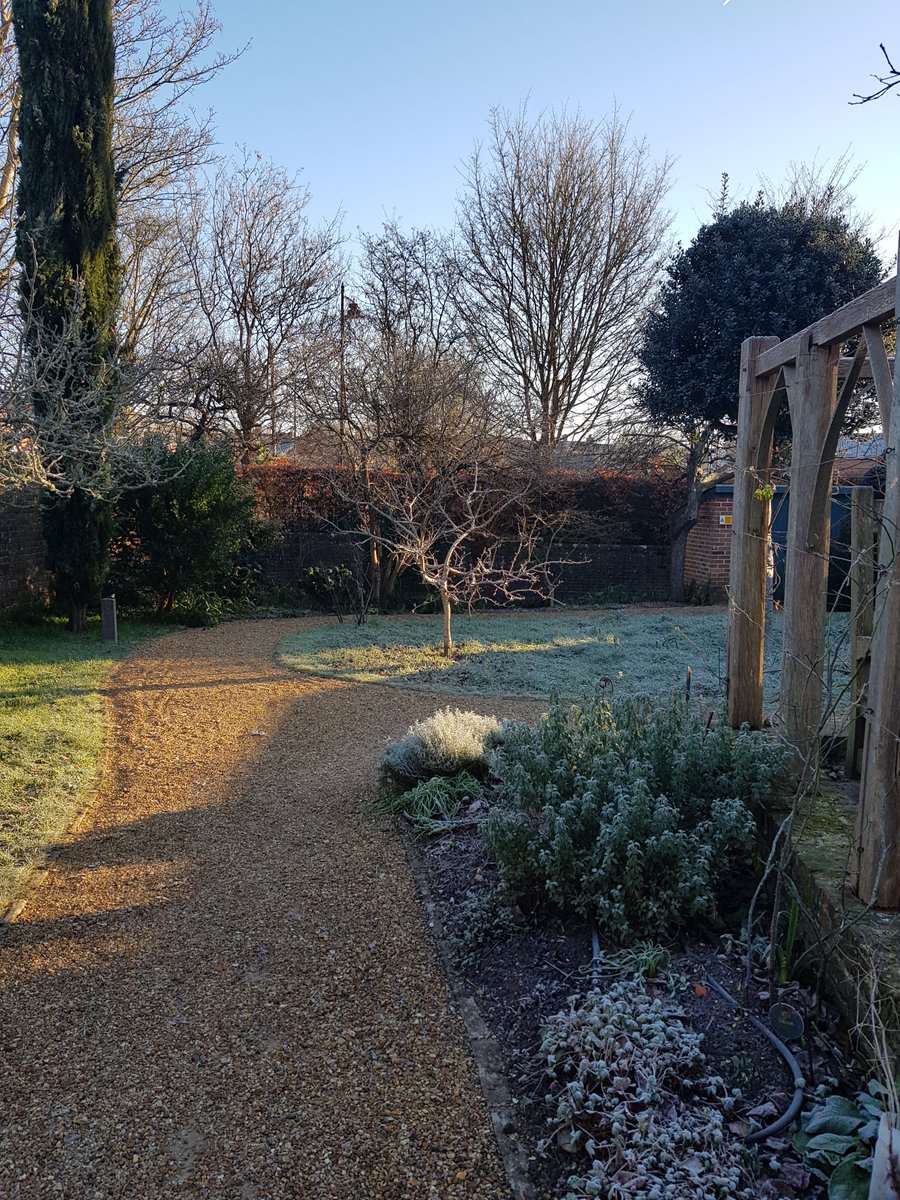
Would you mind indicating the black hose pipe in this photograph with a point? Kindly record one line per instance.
(790, 1114)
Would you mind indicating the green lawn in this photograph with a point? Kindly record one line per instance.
(52, 726)
(642, 651)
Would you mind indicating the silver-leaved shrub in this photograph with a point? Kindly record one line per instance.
(444, 744)
(631, 813)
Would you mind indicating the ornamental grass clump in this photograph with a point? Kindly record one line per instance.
(631, 1098)
(445, 744)
(431, 807)
(630, 813)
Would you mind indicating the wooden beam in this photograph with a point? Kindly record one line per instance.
(829, 450)
(867, 374)
(871, 308)
(750, 539)
(862, 586)
(880, 366)
(876, 862)
(812, 400)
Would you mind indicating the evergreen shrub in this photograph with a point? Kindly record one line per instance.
(190, 542)
(632, 813)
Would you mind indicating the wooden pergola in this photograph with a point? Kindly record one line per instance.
(808, 365)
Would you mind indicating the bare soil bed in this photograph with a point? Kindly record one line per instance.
(520, 973)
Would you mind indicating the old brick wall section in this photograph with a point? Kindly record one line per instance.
(23, 576)
(708, 554)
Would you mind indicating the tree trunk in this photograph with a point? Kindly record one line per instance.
(677, 556)
(390, 573)
(684, 522)
(376, 573)
(446, 617)
(77, 618)
(70, 280)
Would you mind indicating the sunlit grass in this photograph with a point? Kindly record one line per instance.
(643, 651)
(52, 726)
(522, 654)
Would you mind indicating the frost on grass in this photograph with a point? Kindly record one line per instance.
(445, 744)
(646, 652)
(632, 1101)
(522, 654)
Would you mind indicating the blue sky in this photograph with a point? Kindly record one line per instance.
(379, 103)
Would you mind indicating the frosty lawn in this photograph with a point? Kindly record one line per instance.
(528, 654)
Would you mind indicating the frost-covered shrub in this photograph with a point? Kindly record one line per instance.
(631, 814)
(445, 744)
(631, 1097)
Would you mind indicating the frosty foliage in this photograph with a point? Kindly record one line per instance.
(630, 1095)
(445, 744)
(632, 813)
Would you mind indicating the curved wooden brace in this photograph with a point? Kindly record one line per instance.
(881, 374)
(829, 448)
(767, 434)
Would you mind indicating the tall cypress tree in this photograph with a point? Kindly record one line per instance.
(66, 244)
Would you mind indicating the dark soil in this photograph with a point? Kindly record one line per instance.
(521, 968)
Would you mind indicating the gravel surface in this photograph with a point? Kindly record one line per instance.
(226, 987)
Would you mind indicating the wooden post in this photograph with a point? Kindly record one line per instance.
(862, 584)
(749, 539)
(876, 861)
(812, 398)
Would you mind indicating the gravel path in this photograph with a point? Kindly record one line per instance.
(226, 988)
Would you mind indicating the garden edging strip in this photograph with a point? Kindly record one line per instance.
(485, 1048)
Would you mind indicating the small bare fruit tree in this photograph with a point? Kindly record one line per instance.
(434, 484)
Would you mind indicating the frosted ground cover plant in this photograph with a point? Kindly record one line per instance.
(630, 1097)
(647, 651)
(443, 744)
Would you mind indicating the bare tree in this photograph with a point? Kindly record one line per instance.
(263, 283)
(887, 82)
(401, 379)
(160, 142)
(10, 102)
(93, 439)
(562, 228)
(430, 479)
(409, 290)
(434, 487)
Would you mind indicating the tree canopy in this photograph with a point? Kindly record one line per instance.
(562, 227)
(760, 269)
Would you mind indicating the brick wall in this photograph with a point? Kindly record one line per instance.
(23, 577)
(708, 553)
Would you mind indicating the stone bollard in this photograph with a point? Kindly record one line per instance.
(108, 621)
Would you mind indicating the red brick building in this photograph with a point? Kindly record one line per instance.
(708, 553)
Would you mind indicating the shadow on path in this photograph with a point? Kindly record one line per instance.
(225, 988)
